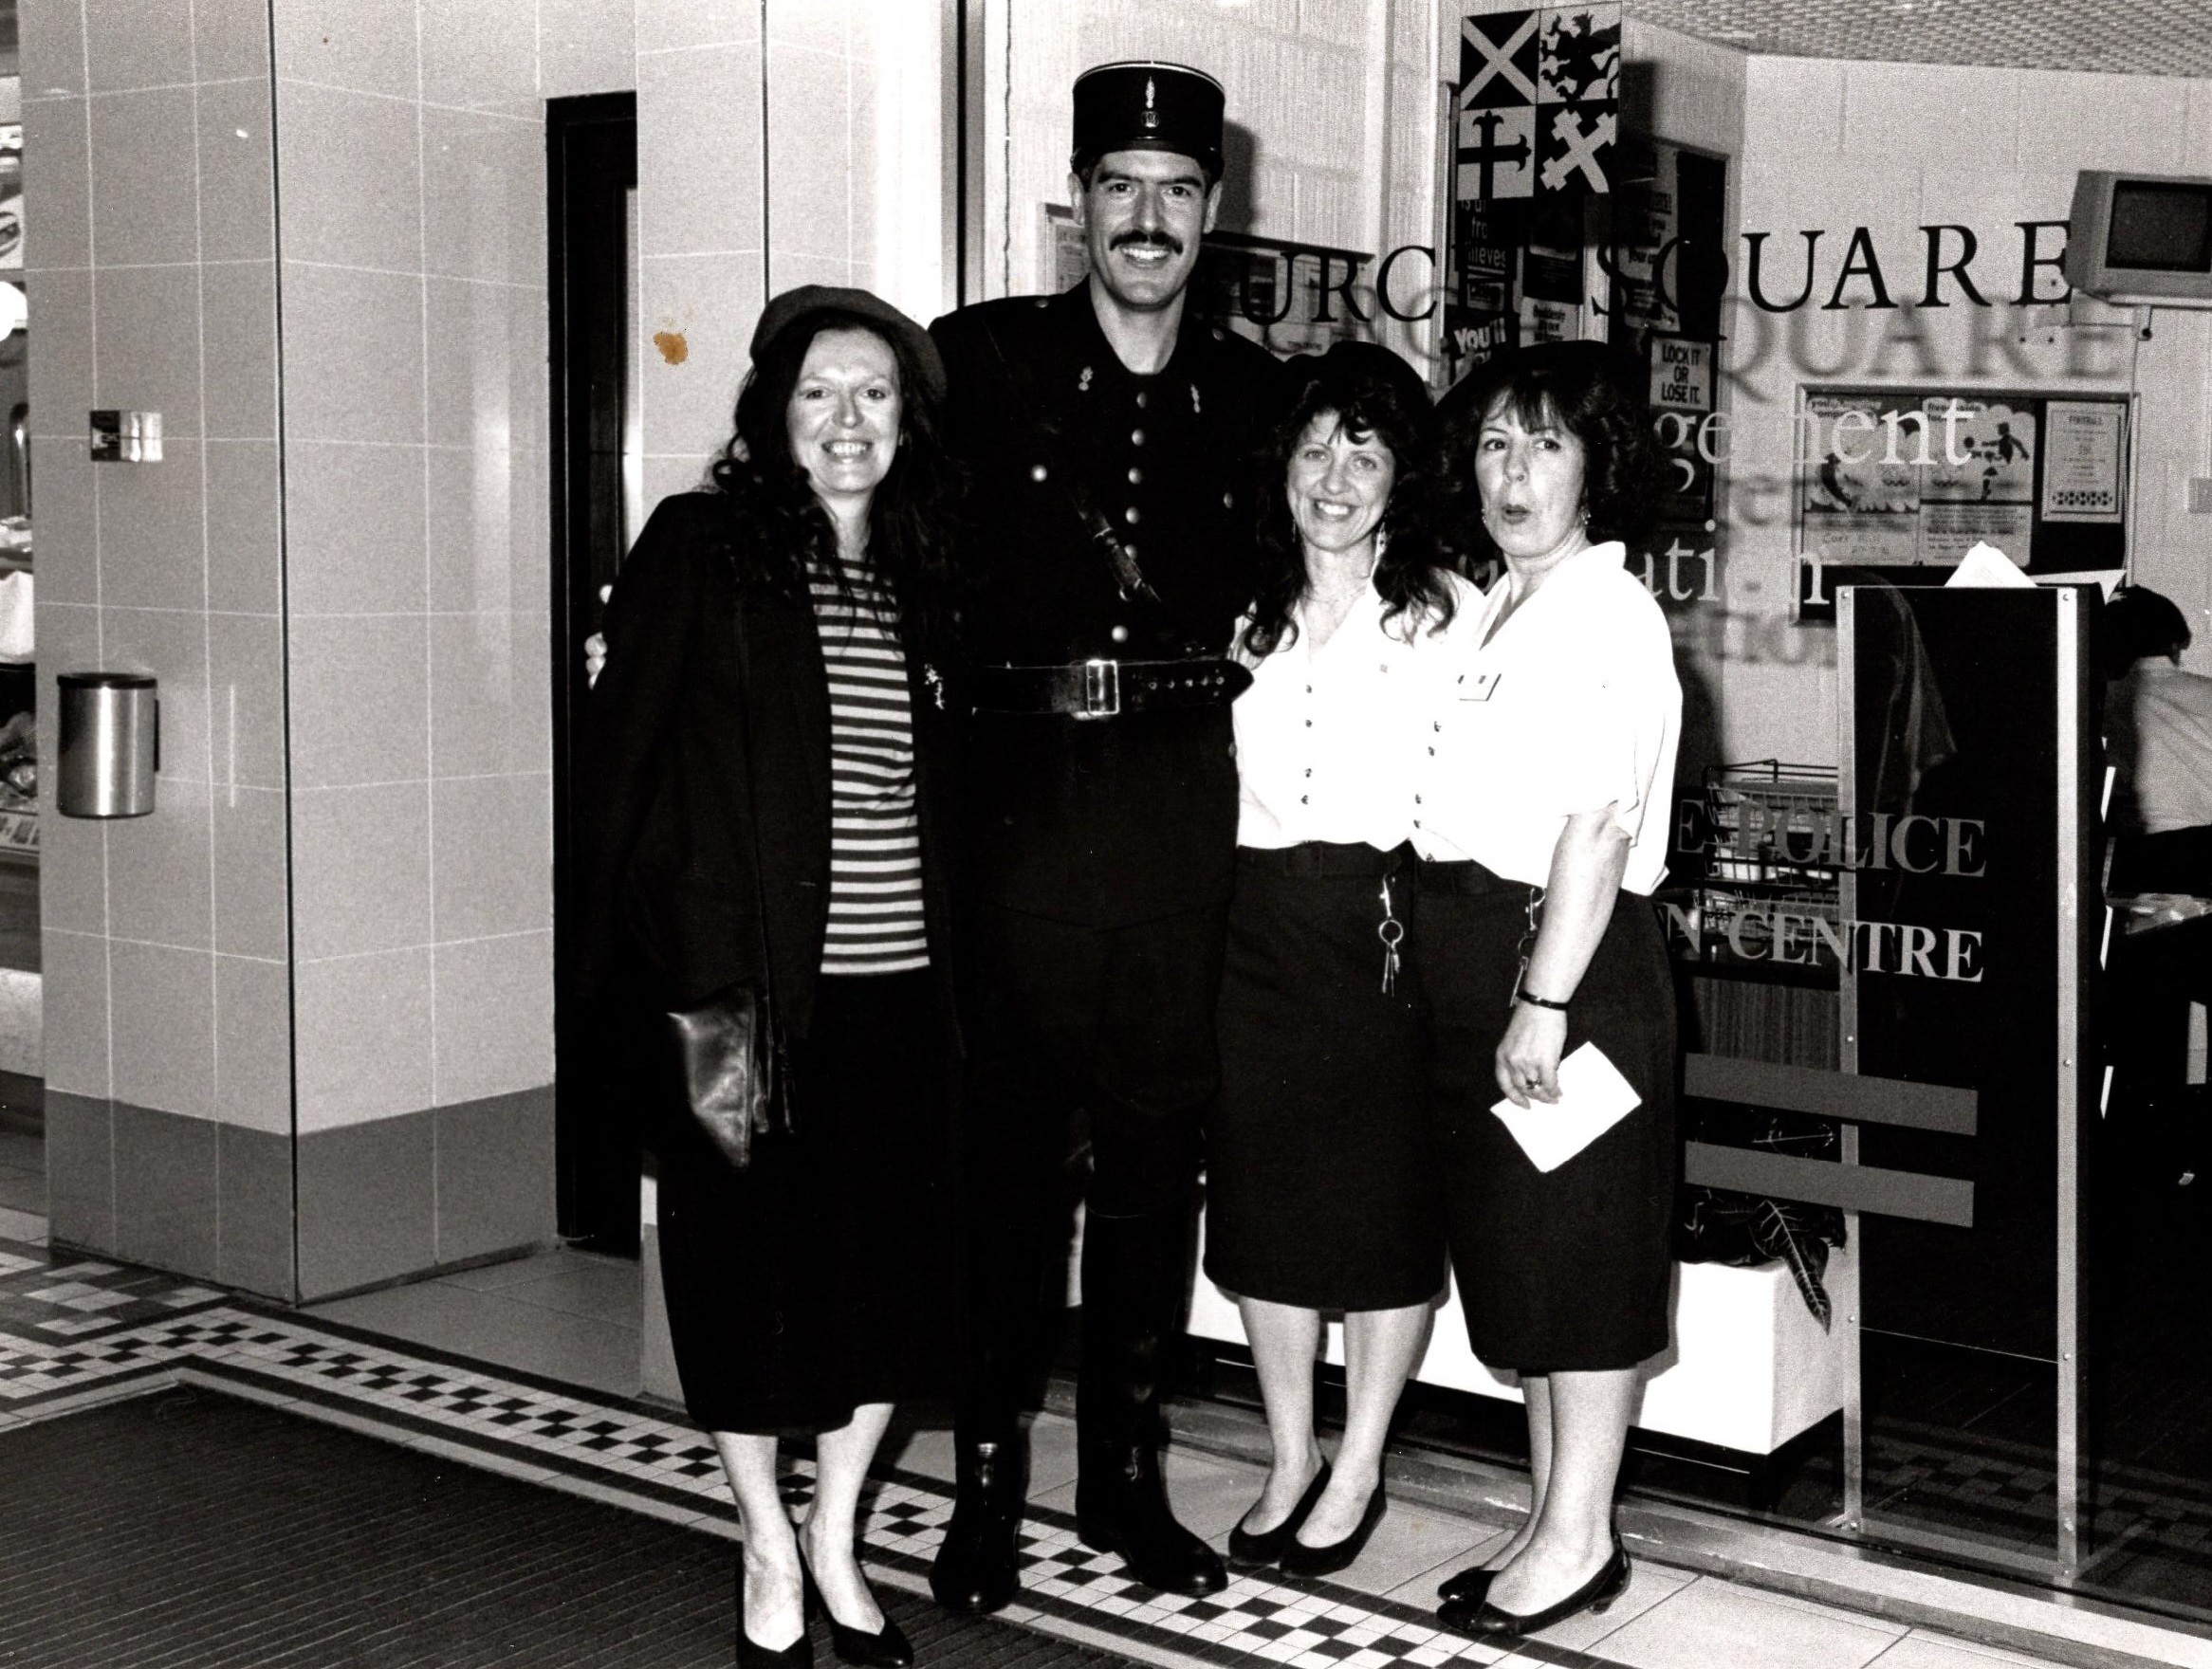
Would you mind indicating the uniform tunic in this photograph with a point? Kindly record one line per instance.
(1571, 706)
(1098, 851)
(1128, 819)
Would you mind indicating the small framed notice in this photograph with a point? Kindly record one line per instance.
(2081, 460)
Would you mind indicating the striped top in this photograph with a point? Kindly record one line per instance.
(876, 844)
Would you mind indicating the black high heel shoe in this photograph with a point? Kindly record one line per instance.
(752, 1655)
(1469, 1588)
(1595, 1595)
(1261, 1550)
(886, 1648)
(1304, 1559)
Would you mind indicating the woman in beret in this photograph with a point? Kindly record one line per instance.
(764, 760)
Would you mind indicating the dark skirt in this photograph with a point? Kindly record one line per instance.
(1569, 1270)
(1320, 1188)
(822, 1276)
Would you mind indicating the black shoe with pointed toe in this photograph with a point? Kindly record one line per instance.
(1304, 1559)
(1262, 1549)
(886, 1648)
(1597, 1594)
(1469, 1588)
(752, 1655)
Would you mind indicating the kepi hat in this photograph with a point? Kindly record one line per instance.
(1148, 105)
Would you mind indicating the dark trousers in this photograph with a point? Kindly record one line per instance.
(1076, 1029)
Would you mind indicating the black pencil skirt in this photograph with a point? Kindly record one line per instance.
(1570, 1269)
(1320, 1191)
(822, 1276)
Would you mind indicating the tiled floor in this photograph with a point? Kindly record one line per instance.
(530, 1367)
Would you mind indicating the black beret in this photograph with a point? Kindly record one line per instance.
(1148, 107)
(787, 309)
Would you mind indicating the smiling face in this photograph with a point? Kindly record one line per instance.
(1339, 485)
(1531, 482)
(1143, 215)
(844, 417)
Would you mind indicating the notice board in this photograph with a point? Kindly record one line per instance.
(1895, 485)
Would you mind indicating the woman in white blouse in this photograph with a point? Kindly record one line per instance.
(1320, 1189)
(1541, 834)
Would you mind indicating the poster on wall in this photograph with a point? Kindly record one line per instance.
(1531, 136)
(1897, 484)
(1980, 486)
(2081, 463)
(1859, 494)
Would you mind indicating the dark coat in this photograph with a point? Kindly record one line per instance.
(682, 780)
(1123, 820)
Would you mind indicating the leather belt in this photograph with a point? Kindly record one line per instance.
(1103, 689)
(1464, 876)
(1324, 857)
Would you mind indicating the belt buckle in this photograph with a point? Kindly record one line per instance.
(1102, 690)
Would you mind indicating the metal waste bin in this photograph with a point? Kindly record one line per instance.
(110, 744)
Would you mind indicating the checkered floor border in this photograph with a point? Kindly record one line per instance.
(74, 1331)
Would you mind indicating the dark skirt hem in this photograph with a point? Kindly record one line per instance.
(1271, 1285)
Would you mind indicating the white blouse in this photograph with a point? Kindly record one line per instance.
(1572, 707)
(1331, 740)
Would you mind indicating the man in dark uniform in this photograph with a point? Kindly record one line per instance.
(1108, 437)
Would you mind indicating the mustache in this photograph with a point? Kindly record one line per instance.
(1148, 240)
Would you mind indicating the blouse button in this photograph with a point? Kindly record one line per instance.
(1309, 723)
(1130, 515)
(1120, 634)
(1228, 501)
(1037, 472)
(1416, 799)
(1140, 399)
(1304, 800)
(1136, 437)
(1432, 752)
(1136, 476)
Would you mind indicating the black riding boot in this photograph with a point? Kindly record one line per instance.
(1133, 1292)
(977, 1565)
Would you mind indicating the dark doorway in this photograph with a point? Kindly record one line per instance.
(591, 177)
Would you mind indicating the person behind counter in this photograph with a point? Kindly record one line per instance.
(2157, 727)
(1320, 1192)
(767, 762)
(1541, 834)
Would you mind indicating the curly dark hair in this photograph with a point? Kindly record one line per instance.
(1369, 393)
(781, 529)
(1582, 387)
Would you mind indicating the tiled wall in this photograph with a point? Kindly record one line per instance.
(410, 153)
(1894, 147)
(149, 260)
(339, 574)
(796, 95)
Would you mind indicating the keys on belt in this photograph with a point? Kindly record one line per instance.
(1105, 688)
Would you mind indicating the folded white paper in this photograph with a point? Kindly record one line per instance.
(1987, 566)
(1594, 1097)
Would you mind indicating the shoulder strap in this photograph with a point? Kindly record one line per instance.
(1127, 574)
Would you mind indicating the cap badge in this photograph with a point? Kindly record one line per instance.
(1151, 115)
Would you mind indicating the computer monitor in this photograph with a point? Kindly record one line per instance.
(2141, 240)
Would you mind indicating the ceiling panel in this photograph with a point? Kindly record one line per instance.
(2133, 37)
